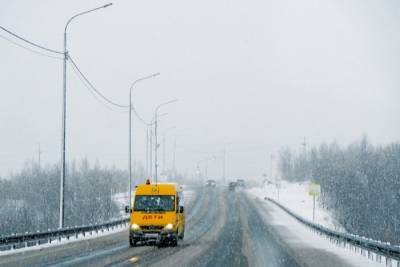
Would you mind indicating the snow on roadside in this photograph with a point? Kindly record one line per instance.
(65, 241)
(295, 197)
(121, 200)
(300, 238)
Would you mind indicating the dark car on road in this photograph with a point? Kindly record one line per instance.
(240, 183)
(232, 186)
(211, 183)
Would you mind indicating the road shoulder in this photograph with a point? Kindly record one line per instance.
(308, 248)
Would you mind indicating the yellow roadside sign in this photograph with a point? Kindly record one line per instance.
(314, 189)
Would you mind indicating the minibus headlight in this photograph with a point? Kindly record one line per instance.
(135, 227)
(169, 226)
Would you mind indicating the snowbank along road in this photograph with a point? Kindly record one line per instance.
(224, 228)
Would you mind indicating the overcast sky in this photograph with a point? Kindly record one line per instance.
(257, 75)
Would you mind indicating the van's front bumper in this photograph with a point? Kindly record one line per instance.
(159, 236)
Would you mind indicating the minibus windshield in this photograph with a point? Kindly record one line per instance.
(154, 203)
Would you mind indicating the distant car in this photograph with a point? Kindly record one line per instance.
(240, 183)
(232, 186)
(211, 183)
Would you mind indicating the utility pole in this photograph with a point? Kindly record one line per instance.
(150, 147)
(151, 152)
(147, 151)
(205, 160)
(63, 119)
(64, 112)
(224, 171)
(198, 172)
(164, 148)
(155, 136)
(164, 153)
(130, 132)
(155, 148)
(130, 150)
(173, 159)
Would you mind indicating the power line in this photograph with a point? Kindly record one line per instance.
(102, 96)
(140, 118)
(75, 68)
(94, 88)
(93, 93)
(31, 43)
(29, 49)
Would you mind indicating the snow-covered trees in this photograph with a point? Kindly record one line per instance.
(360, 184)
(30, 198)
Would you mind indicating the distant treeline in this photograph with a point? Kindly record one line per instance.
(360, 184)
(29, 199)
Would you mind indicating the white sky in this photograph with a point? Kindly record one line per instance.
(256, 74)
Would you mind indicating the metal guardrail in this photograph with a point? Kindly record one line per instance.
(30, 239)
(387, 250)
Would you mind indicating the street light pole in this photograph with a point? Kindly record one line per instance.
(224, 162)
(151, 152)
(155, 134)
(150, 142)
(205, 160)
(173, 160)
(164, 147)
(206, 165)
(130, 131)
(163, 157)
(147, 150)
(64, 112)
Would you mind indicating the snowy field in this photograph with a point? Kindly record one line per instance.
(295, 197)
(121, 199)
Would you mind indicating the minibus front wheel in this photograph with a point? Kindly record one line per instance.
(132, 242)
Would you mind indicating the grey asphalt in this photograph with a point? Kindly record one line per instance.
(245, 240)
